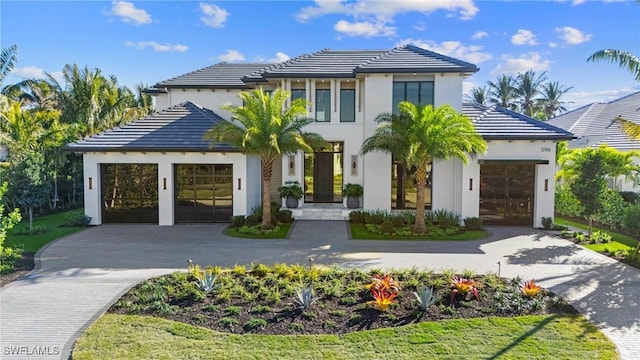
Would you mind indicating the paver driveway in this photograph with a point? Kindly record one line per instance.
(79, 276)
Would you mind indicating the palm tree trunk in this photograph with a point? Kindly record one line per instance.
(421, 182)
(30, 218)
(400, 191)
(267, 169)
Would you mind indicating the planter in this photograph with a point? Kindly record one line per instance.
(353, 202)
(291, 202)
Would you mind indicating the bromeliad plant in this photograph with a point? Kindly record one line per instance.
(463, 286)
(529, 289)
(384, 290)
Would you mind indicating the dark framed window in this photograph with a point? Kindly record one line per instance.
(404, 190)
(347, 105)
(323, 105)
(298, 94)
(417, 92)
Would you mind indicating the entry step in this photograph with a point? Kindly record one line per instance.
(320, 213)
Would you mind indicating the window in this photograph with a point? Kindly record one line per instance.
(298, 94)
(323, 105)
(347, 105)
(417, 92)
(404, 191)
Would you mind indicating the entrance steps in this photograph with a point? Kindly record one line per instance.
(321, 212)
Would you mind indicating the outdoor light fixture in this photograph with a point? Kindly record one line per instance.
(354, 165)
(239, 184)
(292, 165)
(90, 183)
(470, 184)
(546, 184)
(164, 183)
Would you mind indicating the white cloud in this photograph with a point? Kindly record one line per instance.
(364, 29)
(572, 36)
(573, 2)
(420, 26)
(524, 37)
(34, 72)
(577, 99)
(467, 86)
(213, 15)
(522, 63)
(553, 44)
(141, 45)
(280, 57)
(129, 13)
(455, 49)
(479, 35)
(231, 56)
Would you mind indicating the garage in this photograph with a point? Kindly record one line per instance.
(507, 193)
(129, 193)
(203, 193)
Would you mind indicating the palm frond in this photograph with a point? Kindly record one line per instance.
(632, 129)
(625, 60)
(8, 59)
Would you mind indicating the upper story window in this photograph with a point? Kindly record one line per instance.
(323, 105)
(417, 92)
(347, 105)
(298, 94)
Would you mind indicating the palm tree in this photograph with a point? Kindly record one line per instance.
(8, 59)
(434, 134)
(527, 88)
(270, 130)
(503, 91)
(550, 102)
(478, 94)
(625, 60)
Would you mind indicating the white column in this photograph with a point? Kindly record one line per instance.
(165, 193)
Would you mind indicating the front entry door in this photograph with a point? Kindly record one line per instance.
(323, 177)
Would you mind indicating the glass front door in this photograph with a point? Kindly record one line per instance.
(507, 193)
(323, 175)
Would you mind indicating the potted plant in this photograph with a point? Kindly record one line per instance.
(292, 191)
(353, 193)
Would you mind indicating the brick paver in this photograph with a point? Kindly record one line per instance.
(81, 275)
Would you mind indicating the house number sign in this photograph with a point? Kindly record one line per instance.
(545, 149)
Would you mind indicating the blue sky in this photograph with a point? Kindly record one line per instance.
(149, 41)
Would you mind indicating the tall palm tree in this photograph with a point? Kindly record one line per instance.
(550, 101)
(625, 60)
(270, 130)
(478, 94)
(527, 87)
(8, 59)
(502, 92)
(434, 134)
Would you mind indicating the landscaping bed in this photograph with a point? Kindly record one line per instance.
(263, 299)
(21, 267)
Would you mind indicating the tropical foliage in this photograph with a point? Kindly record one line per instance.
(420, 136)
(269, 129)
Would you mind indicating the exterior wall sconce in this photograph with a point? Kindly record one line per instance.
(90, 183)
(354, 165)
(164, 183)
(239, 184)
(546, 184)
(292, 165)
(471, 184)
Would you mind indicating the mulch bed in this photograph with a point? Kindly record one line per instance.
(21, 268)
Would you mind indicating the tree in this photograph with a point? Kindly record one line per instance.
(8, 59)
(551, 102)
(503, 92)
(527, 88)
(7, 220)
(270, 130)
(626, 60)
(29, 185)
(479, 95)
(434, 134)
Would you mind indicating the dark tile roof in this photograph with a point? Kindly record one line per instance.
(178, 128)
(218, 76)
(410, 59)
(497, 123)
(595, 124)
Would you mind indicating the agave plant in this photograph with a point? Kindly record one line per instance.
(425, 298)
(304, 297)
(463, 286)
(529, 289)
(383, 299)
(206, 281)
(384, 283)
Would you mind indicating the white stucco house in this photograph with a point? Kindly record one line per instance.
(595, 125)
(159, 170)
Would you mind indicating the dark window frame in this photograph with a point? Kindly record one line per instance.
(327, 116)
(352, 109)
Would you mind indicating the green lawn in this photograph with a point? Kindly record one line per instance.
(619, 241)
(280, 234)
(525, 337)
(33, 243)
(360, 232)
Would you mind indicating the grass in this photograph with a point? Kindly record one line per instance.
(526, 337)
(618, 241)
(280, 234)
(33, 242)
(360, 232)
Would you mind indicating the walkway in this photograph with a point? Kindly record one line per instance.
(80, 276)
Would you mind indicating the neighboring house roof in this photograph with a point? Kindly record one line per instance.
(178, 128)
(498, 123)
(218, 76)
(595, 124)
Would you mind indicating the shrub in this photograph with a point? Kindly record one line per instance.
(629, 196)
(612, 210)
(397, 220)
(375, 217)
(8, 257)
(566, 203)
(291, 189)
(254, 324)
(252, 220)
(237, 221)
(357, 217)
(473, 223)
(284, 216)
(547, 222)
(36, 229)
(446, 218)
(387, 227)
(76, 218)
(352, 190)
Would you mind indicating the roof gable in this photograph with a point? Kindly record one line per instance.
(178, 128)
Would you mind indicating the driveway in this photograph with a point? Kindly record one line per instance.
(78, 277)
